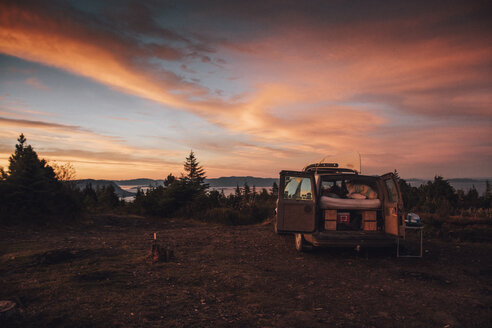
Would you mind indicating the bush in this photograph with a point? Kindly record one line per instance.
(231, 216)
(458, 228)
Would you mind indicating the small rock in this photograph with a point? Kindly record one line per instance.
(6, 307)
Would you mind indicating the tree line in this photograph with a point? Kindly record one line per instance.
(33, 190)
(439, 197)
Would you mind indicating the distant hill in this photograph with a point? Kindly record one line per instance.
(140, 182)
(98, 184)
(239, 181)
(229, 182)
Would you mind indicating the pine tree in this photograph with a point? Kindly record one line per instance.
(237, 198)
(274, 190)
(487, 195)
(26, 168)
(195, 174)
(246, 191)
(169, 180)
(30, 186)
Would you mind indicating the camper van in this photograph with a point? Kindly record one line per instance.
(330, 203)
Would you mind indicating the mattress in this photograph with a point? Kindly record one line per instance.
(349, 204)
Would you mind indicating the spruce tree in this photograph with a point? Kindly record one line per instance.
(246, 191)
(274, 190)
(31, 187)
(488, 195)
(195, 174)
(169, 180)
(25, 168)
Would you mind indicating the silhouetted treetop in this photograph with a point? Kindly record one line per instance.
(195, 174)
(26, 168)
(30, 189)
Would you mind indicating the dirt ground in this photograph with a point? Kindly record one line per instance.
(100, 275)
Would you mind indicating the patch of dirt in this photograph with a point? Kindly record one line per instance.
(58, 256)
(101, 274)
(96, 276)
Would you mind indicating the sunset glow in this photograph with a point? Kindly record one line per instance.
(252, 88)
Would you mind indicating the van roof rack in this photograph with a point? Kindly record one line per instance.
(327, 168)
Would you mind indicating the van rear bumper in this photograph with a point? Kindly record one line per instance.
(351, 239)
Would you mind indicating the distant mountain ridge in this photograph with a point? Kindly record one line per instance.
(240, 181)
(213, 182)
(99, 184)
(140, 182)
(233, 181)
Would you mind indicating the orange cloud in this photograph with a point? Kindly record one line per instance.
(385, 85)
(92, 154)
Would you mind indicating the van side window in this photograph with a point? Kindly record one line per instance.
(298, 188)
(393, 193)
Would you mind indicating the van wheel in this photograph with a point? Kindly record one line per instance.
(300, 242)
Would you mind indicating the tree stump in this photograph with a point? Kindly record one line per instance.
(161, 254)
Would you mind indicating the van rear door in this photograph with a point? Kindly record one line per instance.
(296, 210)
(393, 206)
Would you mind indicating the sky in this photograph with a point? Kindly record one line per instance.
(126, 89)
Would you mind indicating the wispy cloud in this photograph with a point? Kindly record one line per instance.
(34, 82)
(38, 124)
(408, 79)
(89, 151)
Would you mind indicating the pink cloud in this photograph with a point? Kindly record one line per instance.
(34, 82)
(401, 87)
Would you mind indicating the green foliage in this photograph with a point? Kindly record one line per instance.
(411, 195)
(458, 228)
(275, 190)
(439, 197)
(195, 174)
(181, 197)
(107, 198)
(187, 197)
(170, 180)
(30, 190)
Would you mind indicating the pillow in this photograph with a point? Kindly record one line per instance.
(356, 195)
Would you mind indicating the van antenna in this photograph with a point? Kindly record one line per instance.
(316, 170)
(360, 164)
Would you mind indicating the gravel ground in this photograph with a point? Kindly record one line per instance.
(99, 274)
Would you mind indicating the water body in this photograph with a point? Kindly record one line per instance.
(227, 190)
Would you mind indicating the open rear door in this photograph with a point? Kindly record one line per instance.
(393, 206)
(296, 210)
